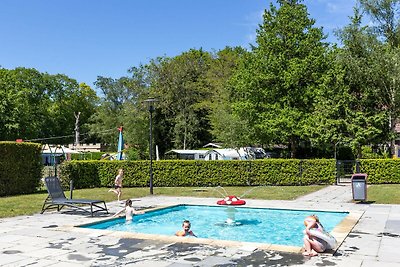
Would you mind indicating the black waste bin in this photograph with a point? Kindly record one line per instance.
(359, 186)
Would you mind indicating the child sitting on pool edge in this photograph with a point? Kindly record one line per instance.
(129, 211)
(313, 244)
(185, 230)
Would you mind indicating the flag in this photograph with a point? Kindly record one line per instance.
(120, 144)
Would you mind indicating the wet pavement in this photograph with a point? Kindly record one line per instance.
(51, 239)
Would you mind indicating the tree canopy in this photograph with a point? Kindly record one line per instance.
(291, 90)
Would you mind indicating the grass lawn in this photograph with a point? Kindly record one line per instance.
(384, 194)
(31, 204)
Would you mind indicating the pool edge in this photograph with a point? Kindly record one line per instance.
(340, 232)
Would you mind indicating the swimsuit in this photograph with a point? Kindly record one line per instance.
(184, 233)
(322, 243)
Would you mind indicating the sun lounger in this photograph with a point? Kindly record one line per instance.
(57, 199)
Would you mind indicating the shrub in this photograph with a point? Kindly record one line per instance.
(175, 173)
(20, 168)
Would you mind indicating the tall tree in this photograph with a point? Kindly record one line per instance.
(38, 105)
(274, 86)
(225, 125)
(386, 17)
(181, 86)
(121, 104)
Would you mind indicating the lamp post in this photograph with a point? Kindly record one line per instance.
(150, 105)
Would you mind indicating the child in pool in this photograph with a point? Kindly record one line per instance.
(185, 230)
(129, 211)
(312, 244)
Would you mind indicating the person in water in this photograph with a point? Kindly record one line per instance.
(185, 230)
(312, 244)
(129, 211)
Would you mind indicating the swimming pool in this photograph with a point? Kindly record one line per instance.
(261, 225)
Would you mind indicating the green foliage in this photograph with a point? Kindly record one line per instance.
(182, 89)
(384, 13)
(381, 171)
(183, 173)
(122, 105)
(384, 194)
(20, 168)
(275, 85)
(32, 203)
(369, 153)
(291, 89)
(84, 174)
(87, 156)
(38, 105)
(168, 173)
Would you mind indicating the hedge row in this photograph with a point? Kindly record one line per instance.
(381, 171)
(176, 173)
(20, 168)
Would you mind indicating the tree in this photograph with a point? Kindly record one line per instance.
(225, 126)
(182, 90)
(385, 14)
(38, 105)
(122, 105)
(372, 77)
(66, 98)
(22, 92)
(275, 84)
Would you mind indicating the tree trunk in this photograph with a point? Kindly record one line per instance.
(393, 141)
(77, 128)
(293, 148)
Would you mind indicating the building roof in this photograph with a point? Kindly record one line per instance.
(217, 145)
(187, 151)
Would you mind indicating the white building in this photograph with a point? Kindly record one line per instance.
(211, 154)
(186, 154)
(226, 154)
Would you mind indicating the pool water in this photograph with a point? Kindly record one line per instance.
(261, 225)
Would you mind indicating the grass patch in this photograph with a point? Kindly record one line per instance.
(384, 193)
(32, 203)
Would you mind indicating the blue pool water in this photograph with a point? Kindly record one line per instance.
(275, 226)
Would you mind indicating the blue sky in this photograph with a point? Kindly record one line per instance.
(88, 38)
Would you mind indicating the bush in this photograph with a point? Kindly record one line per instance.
(20, 168)
(175, 173)
(381, 171)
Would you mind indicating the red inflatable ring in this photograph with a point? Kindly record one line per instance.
(231, 200)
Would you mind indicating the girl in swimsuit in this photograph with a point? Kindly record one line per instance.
(312, 244)
(118, 184)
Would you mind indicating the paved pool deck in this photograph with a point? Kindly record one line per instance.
(51, 239)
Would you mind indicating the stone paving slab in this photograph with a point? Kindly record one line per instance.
(51, 240)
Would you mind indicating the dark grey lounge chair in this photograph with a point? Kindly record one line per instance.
(57, 199)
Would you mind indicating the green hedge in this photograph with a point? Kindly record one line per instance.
(20, 168)
(169, 173)
(381, 171)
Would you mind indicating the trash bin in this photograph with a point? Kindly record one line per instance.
(359, 186)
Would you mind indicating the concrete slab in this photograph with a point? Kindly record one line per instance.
(51, 240)
(31, 262)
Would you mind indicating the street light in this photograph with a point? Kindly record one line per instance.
(150, 105)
